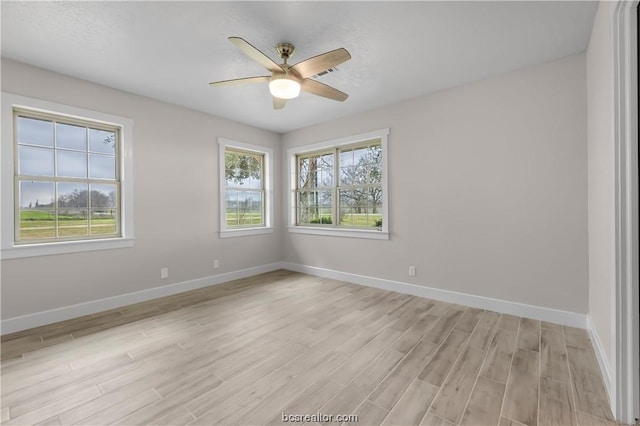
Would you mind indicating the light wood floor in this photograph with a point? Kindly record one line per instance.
(250, 350)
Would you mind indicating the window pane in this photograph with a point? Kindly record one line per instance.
(71, 164)
(71, 137)
(35, 161)
(36, 195)
(34, 131)
(349, 176)
(37, 224)
(72, 223)
(325, 177)
(230, 162)
(37, 217)
(103, 196)
(103, 221)
(303, 172)
(346, 157)
(255, 181)
(102, 141)
(102, 166)
(243, 170)
(72, 195)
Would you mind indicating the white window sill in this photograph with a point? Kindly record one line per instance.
(62, 247)
(243, 232)
(340, 232)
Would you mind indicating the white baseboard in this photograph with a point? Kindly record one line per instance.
(504, 306)
(603, 362)
(13, 325)
(25, 322)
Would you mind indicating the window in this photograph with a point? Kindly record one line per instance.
(65, 174)
(67, 179)
(339, 187)
(245, 195)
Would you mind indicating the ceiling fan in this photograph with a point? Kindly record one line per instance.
(286, 81)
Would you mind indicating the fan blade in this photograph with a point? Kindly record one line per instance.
(313, 66)
(255, 54)
(240, 81)
(323, 90)
(279, 103)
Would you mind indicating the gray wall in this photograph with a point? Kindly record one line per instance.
(487, 189)
(488, 194)
(601, 181)
(176, 202)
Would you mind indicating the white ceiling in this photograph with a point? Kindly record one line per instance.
(171, 50)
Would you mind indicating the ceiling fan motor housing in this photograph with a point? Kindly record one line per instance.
(285, 50)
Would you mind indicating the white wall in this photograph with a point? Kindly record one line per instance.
(176, 202)
(488, 190)
(601, 183)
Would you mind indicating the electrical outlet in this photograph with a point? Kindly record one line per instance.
(412, 271)
(216, 264)
(164, 273)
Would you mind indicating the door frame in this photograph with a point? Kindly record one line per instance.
(626, 322)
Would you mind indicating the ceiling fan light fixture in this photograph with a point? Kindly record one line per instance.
(284, 87)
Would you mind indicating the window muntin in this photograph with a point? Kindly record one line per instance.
(244, 189)
(67, 179)
(341, 187)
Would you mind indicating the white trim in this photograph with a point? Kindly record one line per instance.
(46, 249)
(601, 356)
(383, 234)
(625, 391)
(223, 143)
(340, 232)
(25, 322)
(10, 250)
(497, 305)
(244, 232)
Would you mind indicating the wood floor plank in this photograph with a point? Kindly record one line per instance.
(577, 337)
(488, 319)
(551, 326)
(509, 322)
(529, 334)
(521, 397)
(54, 408)
(359, 361)
(499, 356)
(393, 386)
(504, 421)
(439, 365)
(370, 414)
(347, 400)
(431, 419)
(556, 407)
(311, 400)
(469, 320)
(123, 408)
(553, 355)
(484, 404)
(451, 400)
(441, 329)
(584, 419)
(481, 337)
(413, 405)
(588, 388)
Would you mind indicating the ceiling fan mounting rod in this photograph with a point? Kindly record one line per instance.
(285, 50)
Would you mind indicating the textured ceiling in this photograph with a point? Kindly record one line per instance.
(171, 50)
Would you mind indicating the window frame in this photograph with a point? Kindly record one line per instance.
(335, 145)
(56, 180)
(10, 247)
(267, 227)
